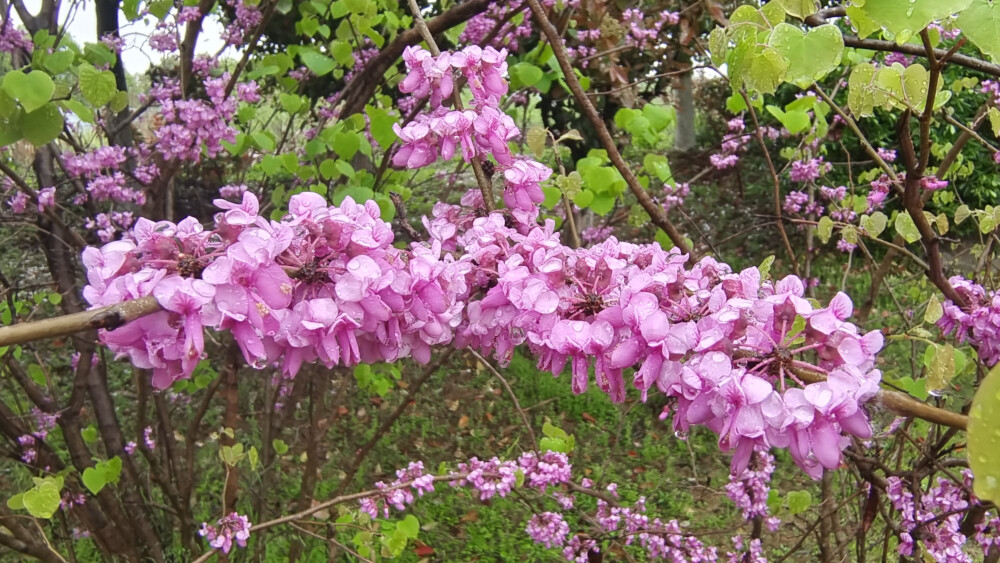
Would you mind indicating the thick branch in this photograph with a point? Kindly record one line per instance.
(899, 403)
(108, 318)
(656, 213)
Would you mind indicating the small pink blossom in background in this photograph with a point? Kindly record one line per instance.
(234, 527)
(548, 529)
(844, 246)
(931, 183)
(888, 155)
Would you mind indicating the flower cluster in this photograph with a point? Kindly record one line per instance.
(500, 24)
(643, 34)
(880, 188)
(979, 324)
(734, 143)
(482, 130)
(725, 347)
(191, 125)
(750, 488)
(808, 170)
(548, 474)
(324, 284)
(233, 527)
(247, 17)
(12, 39)
(548, 529)
(933, 518)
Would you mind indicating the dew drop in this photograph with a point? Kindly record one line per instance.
(681, 435)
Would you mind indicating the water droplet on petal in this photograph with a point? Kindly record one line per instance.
(681, 435)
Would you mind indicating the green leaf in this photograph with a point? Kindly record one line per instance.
(799, 501)
(906, 228)
(119, 102)
(409, 526)
(16, 502)
(341, 51)
(934, 310)
(584, 198)
(765, 266)
(89, 434)
(328, 169)
(43, 500)
(112, 469)
(552, 196)
(290, 102)
(766, 71)
(660, 117)
(795, 121)
(264, 141)
(99, 54)
(718, 46)
(59, 61)
(874, 224)
(941, 369)
(97, 86)
(824, 229)
(381, 126)
(316, 62)
(861, 22)
(33, 89)
(905, 18)
(387, 212)
(553, 431)
(346, 144)
(80, 110)
(809, 56)
(994, 114)
(984, 438)
(962, 213)
(93, 479)
(536, 137)
(863, 94)
(659, 165)
(280, 447)
(799, 8)
(525, 74)
(980, 22)
(42, 125)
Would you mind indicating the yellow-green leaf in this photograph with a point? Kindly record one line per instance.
(984, 438)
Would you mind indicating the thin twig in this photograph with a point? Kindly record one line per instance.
(656, 213)
(513, 397)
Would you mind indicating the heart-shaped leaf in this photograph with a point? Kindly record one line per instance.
(42, 125)
(905, 18)
(809, 56)
(799, 8)
(875, 224)
(33, 89)
(93, 479)
(97, 86)
(980, 22)
(906, 227)
(984, 440)
(43, 500)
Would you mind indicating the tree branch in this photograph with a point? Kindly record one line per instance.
(108, 318)
(656, 213)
